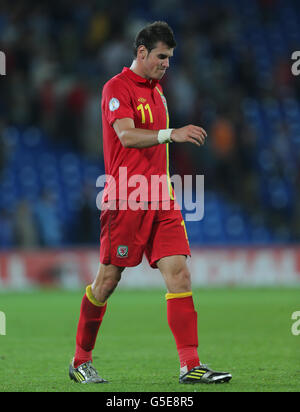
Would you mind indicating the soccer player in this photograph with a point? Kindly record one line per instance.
(136, 137)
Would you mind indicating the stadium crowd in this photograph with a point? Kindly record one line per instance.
(59, 55)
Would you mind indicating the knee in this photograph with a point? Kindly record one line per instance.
(179, 280)
(105, 283)
(110, 284)
(185, 275)
(103, 291)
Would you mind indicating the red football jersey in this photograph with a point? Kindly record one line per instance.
(130, 95)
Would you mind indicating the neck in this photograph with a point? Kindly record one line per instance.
(135, 67)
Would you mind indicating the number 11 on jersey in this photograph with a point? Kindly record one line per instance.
(142, 109)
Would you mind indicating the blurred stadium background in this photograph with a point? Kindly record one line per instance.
(231, 74)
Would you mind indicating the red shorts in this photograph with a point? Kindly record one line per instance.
(127, 234)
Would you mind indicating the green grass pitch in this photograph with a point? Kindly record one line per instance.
(244, 331)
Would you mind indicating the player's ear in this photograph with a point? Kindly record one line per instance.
(142, 52)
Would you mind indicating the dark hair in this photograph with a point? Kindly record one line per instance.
(153, 33)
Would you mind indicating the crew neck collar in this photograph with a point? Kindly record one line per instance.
(139, 79)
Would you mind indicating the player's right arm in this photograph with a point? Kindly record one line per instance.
(119, 112)
(141, 138)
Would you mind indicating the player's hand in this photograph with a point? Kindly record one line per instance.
(190, 133)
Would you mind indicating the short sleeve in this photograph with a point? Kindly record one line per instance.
(116, 101)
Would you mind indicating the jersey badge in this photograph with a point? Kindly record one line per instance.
(114, 104)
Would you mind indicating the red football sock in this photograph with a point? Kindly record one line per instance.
(182, 320)
(91, 315)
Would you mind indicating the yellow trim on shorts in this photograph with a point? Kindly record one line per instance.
(178, 295)
(91, 297)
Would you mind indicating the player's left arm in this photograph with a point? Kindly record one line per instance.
(130, 136)
(142, 138)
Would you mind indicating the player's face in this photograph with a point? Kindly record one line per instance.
(156, 62)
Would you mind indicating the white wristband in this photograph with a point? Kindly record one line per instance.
(164, 136)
